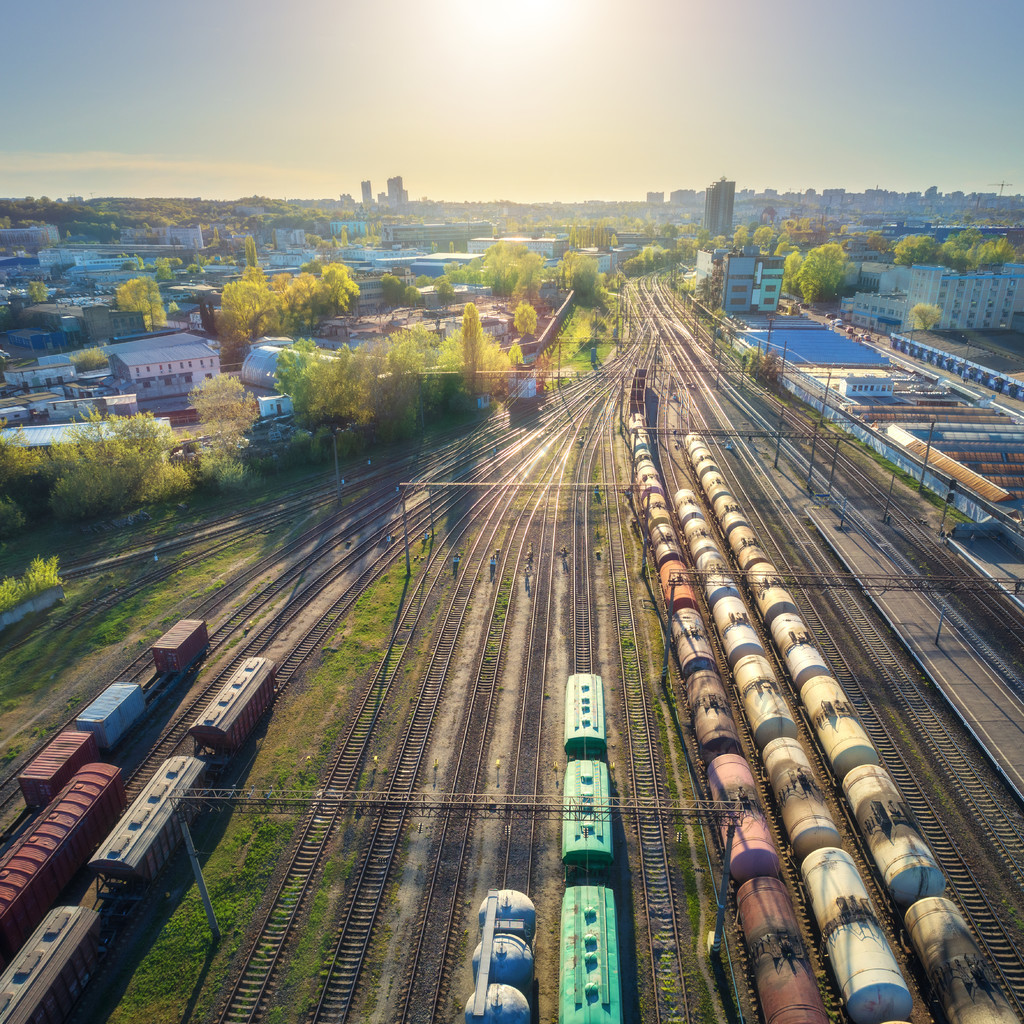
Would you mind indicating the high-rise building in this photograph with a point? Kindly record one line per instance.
(655, 198)
(397, 196)
(718, 202)
(367, 193)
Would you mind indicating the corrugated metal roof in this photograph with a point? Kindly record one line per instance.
(50, 433)
(937, 462)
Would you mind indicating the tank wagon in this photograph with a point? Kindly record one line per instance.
(503, 960)
(584, 716)
(228, 721)
(46, 857)
(869, 978)
(753, 852)
(904, 861)
(586, 818)
(142, 842)
(113, 713)
(805, 815)
(783, 973)
(45, 979)
(52, 768)
(962, 981)
(589, 989)
(181, 646)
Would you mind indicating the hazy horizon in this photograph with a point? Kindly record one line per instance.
(537, 101)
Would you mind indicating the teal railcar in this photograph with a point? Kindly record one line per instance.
(589, 989)
(584, 716)
(586, 817)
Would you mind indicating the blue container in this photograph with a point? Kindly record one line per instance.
(113, 713)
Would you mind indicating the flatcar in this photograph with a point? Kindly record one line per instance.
(46, 857)
(588, 974)
(52, 768)
(865, 969)
(47, 976)
(783, 973)
(141, 843)
(226, 724)
(584, 730)
(586, 817)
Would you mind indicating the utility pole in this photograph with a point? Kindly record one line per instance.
(782, 407)
(885, 511)
(927, 452)
(814, 444)
(405, 531)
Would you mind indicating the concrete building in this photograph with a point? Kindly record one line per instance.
(718, 204)
(285, 237)
(655, 198)
(549, 248)
(440, 236)
(873, 276)
(34, 238)
(189, 238)
(397, 195)
(742, 281)
(162, 366)
(975, 300)
(367, 190)
(41, 375)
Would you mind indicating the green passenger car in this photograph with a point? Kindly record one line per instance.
(584, 716)
(586, 818)
(588, 974)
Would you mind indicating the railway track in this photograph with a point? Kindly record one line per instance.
(358, 917)
(658, 889)
(873, 642)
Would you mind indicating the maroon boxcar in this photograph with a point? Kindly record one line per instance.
(180, 645)
(45, 858)
(51, 769)
(45, 980)
(227, 722)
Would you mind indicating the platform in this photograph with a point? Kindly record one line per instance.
(987, 704)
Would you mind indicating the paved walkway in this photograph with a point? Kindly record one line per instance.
(988, 705)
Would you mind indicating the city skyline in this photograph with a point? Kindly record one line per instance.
(468, 100)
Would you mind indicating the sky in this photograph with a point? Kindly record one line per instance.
(521, 100)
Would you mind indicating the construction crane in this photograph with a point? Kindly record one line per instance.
(1001, 184)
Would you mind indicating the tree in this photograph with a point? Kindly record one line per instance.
(924, 316)
(412, 296)
(109, 465)
(88, 359)
(163, 269)
(916, 249)
(525, 319)
(763, 237)
(292, 364)
(791, 271)
(445, 291)
(338, 292)
(740, 237)
(248, 310)
(251, 258)
(821, 273)
(515, 354)
(226, 410)
(392, 291)
(142, 295)
(37, 291)
(472, 345)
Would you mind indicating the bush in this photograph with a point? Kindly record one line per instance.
(223, 473)
(41, 575)
(12, 519)
(88, 359)
(170, 482)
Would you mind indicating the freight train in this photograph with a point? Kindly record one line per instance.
(783, 973)
(857, 949)
(86, 813)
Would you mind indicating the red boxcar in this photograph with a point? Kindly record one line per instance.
(43, 860)
(51, 769)
(180, 645)
(680, 595)
(227, 722)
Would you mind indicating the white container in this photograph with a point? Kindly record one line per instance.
(764, 706)
(113, 713)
